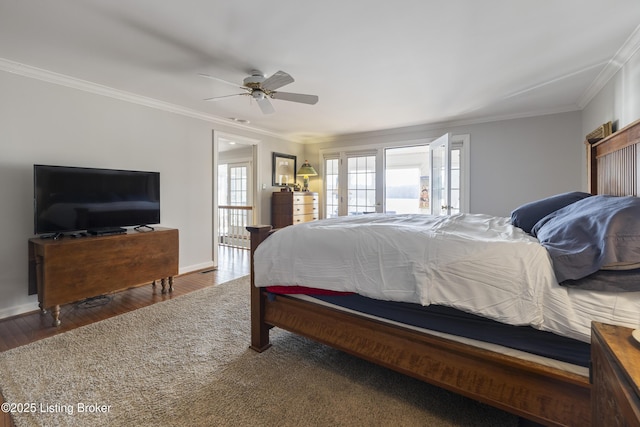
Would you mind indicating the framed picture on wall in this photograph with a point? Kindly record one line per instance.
(283, 170)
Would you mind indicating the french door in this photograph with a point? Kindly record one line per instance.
(234, 184)
(358, 195)
(440, 175)
(420, 178)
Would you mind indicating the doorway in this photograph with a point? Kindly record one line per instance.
(234, 191)
(407, 180)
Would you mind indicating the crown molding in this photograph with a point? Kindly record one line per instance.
(621, 57)
(98, 89)
(408, 132)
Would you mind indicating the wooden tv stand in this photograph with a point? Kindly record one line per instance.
(72, 269)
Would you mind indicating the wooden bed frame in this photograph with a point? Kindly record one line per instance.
(535, 392)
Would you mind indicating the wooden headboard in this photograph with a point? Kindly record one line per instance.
(613, 162)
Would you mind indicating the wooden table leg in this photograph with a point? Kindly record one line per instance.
(171, 284)
(163, 282)
(55, 313)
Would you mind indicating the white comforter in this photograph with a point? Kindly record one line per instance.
(476, 263)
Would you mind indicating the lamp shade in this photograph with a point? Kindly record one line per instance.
(306, 170)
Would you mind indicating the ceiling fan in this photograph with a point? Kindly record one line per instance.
(262, 89)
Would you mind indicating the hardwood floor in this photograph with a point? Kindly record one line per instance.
(26, 328)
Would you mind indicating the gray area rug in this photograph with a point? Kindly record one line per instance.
(186, 362)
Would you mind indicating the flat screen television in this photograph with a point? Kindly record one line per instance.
(69, 199)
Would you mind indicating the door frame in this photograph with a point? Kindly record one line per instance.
(255, 172)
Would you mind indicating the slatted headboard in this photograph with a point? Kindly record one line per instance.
(613, 162)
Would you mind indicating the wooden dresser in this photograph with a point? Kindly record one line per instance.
(69, 270)
(293, 207)
(615, 372)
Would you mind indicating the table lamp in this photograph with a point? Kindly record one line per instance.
(306, 170)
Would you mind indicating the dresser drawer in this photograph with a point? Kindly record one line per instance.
(299, 219)
(303, 199)
(305, 209)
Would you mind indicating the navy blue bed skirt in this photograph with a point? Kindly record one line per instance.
(455, 322)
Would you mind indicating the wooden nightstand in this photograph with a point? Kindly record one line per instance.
(615, 373)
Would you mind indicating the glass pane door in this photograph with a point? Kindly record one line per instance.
(361, 184)
(455, 181)
(332, 191)
(238, 184)
(234, 204)
(440, 176)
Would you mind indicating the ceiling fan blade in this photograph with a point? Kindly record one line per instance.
(265, 105)
(215, 98)
(295, 97)
(279, 79)
(220, 80)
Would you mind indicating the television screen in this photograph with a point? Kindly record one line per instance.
(73, 199)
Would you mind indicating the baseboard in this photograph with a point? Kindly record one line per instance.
(196, 267)
(19, 309)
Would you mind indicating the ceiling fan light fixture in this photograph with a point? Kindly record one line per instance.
(258, 94)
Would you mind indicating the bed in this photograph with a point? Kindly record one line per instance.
(530, 387)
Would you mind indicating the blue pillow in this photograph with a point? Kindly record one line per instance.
(608, 281)
(526, 216)
(590, 234)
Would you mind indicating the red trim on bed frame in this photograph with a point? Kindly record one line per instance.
(304, 290)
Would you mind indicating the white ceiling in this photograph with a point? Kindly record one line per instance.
(374, 65)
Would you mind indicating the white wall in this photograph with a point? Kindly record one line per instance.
(618, 101)
(517, 161)
(512, 161)
(265, 187)
(42, 122)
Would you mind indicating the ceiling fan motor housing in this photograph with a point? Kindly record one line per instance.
(254, 80)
